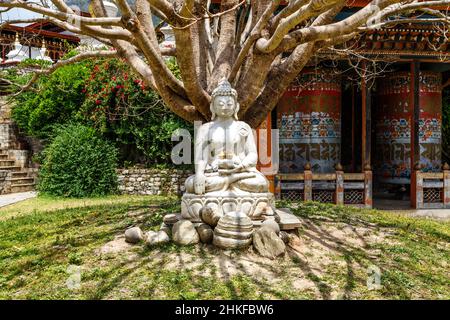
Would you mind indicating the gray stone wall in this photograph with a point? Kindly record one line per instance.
(20, 156)
(5, 183)
(6, 135)
(152, 181)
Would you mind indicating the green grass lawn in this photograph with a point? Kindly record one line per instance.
(42, 239)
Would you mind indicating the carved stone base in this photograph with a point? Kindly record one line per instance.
(254, 205)
(234, 231)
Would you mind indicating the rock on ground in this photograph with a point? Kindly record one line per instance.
(153, 238)
(134, 235)
(170, 219)
(272, 224)
(284, 236)
(267, 243)
(184, 233)
(205, 233)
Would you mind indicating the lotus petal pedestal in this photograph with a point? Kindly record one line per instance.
(254, 205)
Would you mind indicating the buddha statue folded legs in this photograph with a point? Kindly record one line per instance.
(239, 182)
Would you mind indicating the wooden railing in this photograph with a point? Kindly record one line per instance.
(338, 188)
(432, 189)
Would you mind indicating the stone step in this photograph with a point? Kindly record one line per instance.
(288, 221)
(4, 156)
(7, 163)
(22, 187)
(23, 180)
(11, 168)
(19, 174)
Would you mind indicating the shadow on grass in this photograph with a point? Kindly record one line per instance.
(170, 271)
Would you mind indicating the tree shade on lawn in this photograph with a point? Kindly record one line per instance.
(44, 239)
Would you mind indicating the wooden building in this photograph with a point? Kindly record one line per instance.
(364, 122)
(37, 41)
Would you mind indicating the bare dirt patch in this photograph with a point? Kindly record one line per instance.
(313, 250)
(116, 246)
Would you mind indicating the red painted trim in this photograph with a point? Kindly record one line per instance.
(411, 105)
(413, 188)
(353, 129)
(363, 116)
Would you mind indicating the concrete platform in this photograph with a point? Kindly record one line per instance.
(388, 202)
(7, 199)
(288, 221)
(439, 214)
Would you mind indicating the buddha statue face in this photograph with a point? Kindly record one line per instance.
(224, 103)
(224, 106)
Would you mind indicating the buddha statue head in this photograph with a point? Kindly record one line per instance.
(224, 101)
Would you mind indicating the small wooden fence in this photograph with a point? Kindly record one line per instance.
(339, 188)
(432, 190)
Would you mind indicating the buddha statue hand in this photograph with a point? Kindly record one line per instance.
(229, 166)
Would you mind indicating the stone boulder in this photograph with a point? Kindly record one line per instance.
(267, 243)
(154, 238)
(184, 233)
(284, 236)
(271, 224)
(134, 235)
(171, 219)
(205, 233)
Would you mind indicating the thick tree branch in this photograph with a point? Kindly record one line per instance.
(311, 9)
(33, 7)
(166, 8)
(78, 58)
(254, 34)
(281, 75)
(323, 32)
(226, 45)
(150, 49)
(292, 7)
(403, 7)
(188, 61)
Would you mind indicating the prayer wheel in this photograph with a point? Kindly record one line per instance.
(309, 122)
(394, 118)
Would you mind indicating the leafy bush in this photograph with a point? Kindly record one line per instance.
(78, 163)
(57, 101)
(120, 106)
(107, 96)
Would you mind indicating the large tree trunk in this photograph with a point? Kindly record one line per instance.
(259, 45)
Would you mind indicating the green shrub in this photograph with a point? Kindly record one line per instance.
(106, 95)
(78, 163)
(56, 101)
(123, 109)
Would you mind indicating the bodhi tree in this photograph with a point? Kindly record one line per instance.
(260, 46)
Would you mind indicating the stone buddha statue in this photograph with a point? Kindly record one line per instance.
(225, 154)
